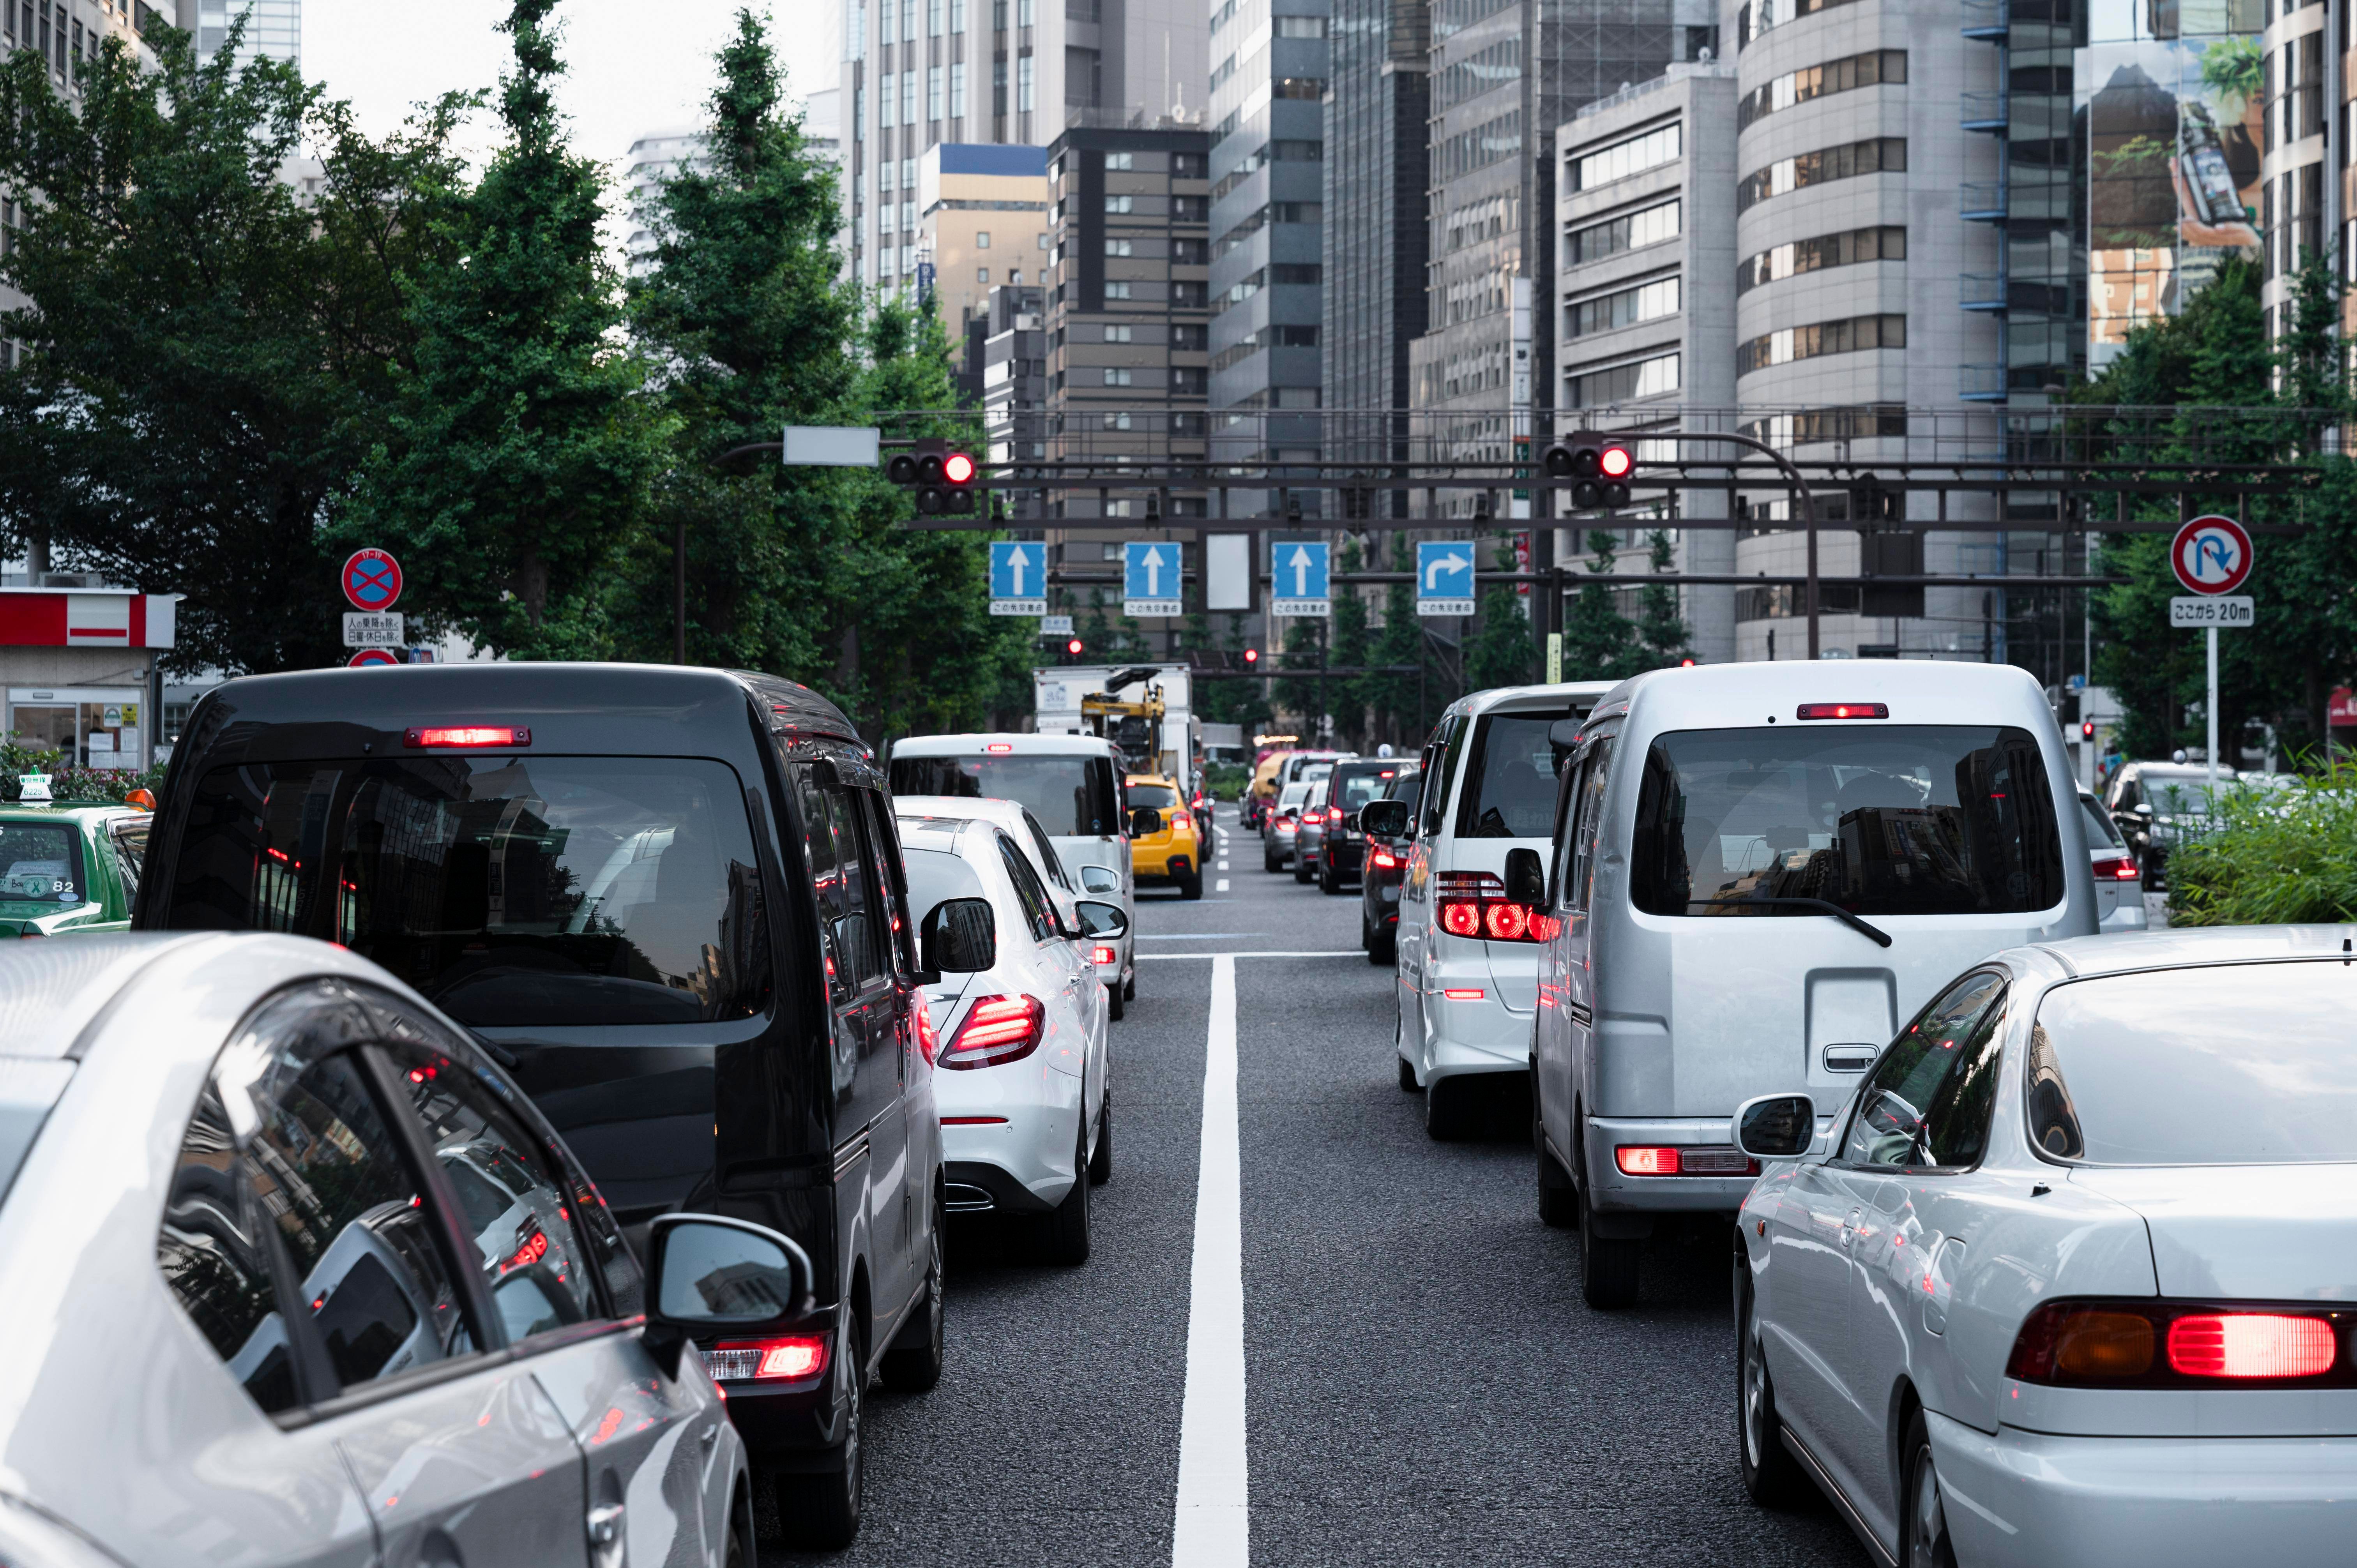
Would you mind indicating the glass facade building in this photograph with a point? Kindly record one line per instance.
(273, 28)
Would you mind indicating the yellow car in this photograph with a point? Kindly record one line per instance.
(1172, 856)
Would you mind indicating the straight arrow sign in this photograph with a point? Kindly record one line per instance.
(1017, 585)
(1150, 580)
(1305, 567)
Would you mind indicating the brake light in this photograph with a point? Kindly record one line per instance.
(1461, 919)
(1844, 711)
(999, 1029)
(1333, 814)
(973, 1121)
(1505, 922)
(928, 1039)
(787, 1359)
(1104, 954)
(2155, 1344)
(1645, 1160)
(468, 735)
(2116, 868)
(1683, 1160)
(999, 746)
(1383, 860)
(1463, 994)
(1474, 904)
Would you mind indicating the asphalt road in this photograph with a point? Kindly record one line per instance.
(1423, 1383)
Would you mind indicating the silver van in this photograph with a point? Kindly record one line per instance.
(1757, 870)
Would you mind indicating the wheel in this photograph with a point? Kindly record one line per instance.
(818, 1512)
(1191, 885)
(1065, 1229)
(1327, 883)
(1408, 1075)
(1129, 988)
(914, 1364)
(739, 1556)
(1608, 1266)
(1449, 1109)
(1116, 1002)
(1923, 1527)
(1770, 1475)
(1366, 932)
(1100, 1161)
(1302, 870)
(1271, 862)
(1558, 1200)
(1386, 947)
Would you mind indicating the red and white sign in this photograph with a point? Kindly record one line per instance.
(368, 656)
(2211, 554)
(371, 580)
(2341, 708)
(51, 617)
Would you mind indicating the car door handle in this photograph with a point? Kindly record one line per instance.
(606, 1525)
(710, 1435)
(1850, 1227)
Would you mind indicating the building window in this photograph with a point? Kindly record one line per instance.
(1300, 27)
(1878, 154)
(1120, 205)
(1618, 161)
(1121, 334)
(1121, 162)
(981, 275)
(1621, 383)
(1023, 77)
(1117, 288)
(1875, 68)
(933, 19)
(1477, 73)
(1116, 421)
(1630, 231)
(1847, 249)
(1648, 301)
(982, 240)
(1850, 335)
(884, 23)
(933, 92)
(957, 89)
(1120, 247)
(1119, 376)
(957, 15)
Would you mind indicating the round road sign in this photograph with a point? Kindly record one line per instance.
(368, 656)
(371, 580)
(2211, 554)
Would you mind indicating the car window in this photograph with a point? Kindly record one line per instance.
(894, 930)
(1033, 898)
(2101, 831)
(1047, 855)
(1587, 825)
(41, 867)
(935, 877)
(843, 883)
(1360, 785)
(1927, 1103)
(1161, 797)
(1072, 794)
(129, 839)
(1510, 794)
(1447, 751)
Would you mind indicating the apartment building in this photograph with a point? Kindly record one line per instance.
(980, 213)
(2298, 202)
(1014, 379)
(273, 28)
(1644, 317)
(1126, 332)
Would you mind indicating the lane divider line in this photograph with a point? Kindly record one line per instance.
(1213, 1527)
(1220, 885)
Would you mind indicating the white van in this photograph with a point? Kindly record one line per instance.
(1757, 871)
(1073, 784)
(1467, 992)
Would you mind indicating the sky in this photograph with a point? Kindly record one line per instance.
(632, 67)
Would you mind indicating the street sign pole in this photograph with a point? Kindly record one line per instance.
(2210, 716)
(2212, 557)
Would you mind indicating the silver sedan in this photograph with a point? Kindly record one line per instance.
(291, 1274)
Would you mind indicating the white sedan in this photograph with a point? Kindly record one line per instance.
(1019, 1015)
(2071, 1277)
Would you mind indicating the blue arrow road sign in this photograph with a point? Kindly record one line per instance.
(1149, 579)
(1444, 577)
(1018, 578)
(1297, 577)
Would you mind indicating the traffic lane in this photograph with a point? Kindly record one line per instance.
(1425, 1383)
(1053, 1434)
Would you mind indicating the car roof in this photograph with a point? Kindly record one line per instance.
(1540, 696)
(1018, 745)
(1917, 691)
(2184, 946)
(929, 832)
(1151, 778)
(78, 811)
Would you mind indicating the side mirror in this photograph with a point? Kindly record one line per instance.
(1351, 822)
(958, 935)
(1100, 879)
(1102, 919)
(1145, 822)
(1384, 819)
(1563, 734)
(1525, 877)
(1775, 1126)
(2144, 808)
(717, 1275)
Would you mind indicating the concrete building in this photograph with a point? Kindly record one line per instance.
(273, 28)
(1268, 84)
(2298, 202)
(918, 73)
(980, 213)
(654, 158)
(1014, 376)
(1127, 317)
(1644, 320)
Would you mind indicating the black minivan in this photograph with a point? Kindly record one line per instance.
(670, 901)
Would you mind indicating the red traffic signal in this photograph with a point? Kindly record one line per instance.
(944, 479)
(1599, 467)
(2086, 729)
(958, 468)
(1074, 648)
(1252, 656)
(1614, 462)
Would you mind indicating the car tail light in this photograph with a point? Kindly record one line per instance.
(999, 1029)
(1383, 860)
(1463, 994)
(32, 931)
(1333, 814)
(1844, 711)
(787, 1359)
(1683, 1160)
(468, 735)
(973, 1121)
(1474, 904)
(2115, 868)
(2178, 1345)
(1104, 954)
(999, 746)
(1645, 1160)
(928, 1039)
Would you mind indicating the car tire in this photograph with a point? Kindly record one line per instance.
(819, 1511)
(1558, 1200)
(1116, 1003)
(1272, 863)
(1301, 871)
(1327, 883)
(1771, 1476)
(1923, 1523)
(1386, 947)
(914, 1364)
(1608, 1266)
(1065, 1229)
(1129, 987)
(1449, 1113)
(1407, 1076)
(1101, 1157)
(1366, 932)
(1191, 885)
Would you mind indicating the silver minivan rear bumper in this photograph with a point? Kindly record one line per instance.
(1610, 1191)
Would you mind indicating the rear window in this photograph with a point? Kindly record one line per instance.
(1073, 796)
(1159, 796)
(511, 891)
(2239, 1064)
(1892, 820)
(1512, 794)
(1352, 788)
(41, 867)
(2102, 830)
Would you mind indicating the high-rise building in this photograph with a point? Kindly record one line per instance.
(2297, 201)
(1014, 374)
(273, 28)
(1372, 294)
(918, 73)
(654, 158)
(1267, 111)
(981, 220)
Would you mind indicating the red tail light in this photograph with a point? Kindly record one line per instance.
(468, 735)
(999, 746)
(788, 1359)
(1683, 1160)
(1474, 904)
(1463, 994)
(1844, 711)
(2115, 868)
(928, 1039)
(1383, 860)
(1104, 954)
(1333, 814)
(1645, 1160)
(2174, 1345)
(999, 1029)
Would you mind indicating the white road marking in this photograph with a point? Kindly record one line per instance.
(1257, 952)
(1213, 1524)
(1220, 885)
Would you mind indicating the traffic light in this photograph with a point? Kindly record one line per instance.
(1072, 649)
(1599, 467)
(2086, 729)
(942, 477)
(1252, 658)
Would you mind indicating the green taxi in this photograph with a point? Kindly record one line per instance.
(69, 867)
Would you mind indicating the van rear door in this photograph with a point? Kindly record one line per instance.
(1508, 802)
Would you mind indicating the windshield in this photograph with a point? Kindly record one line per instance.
(1293, 795)
(1159, 796)
(2238, 1064)
(41, 867)
(1895, 819)
(1513, 796)
(511, 891)
(1072, 795)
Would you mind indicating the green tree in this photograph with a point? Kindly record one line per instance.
(1305, 695)
(1598, 642)
(208, 355)
(1353, 646)
(1500, 653)
(1399, 699)
(521, 456)
(1663, 634)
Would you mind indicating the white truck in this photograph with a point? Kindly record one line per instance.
(1056, 704)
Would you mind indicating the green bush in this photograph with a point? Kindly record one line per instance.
(67, 781)
(1226, 780)
(2273, 856)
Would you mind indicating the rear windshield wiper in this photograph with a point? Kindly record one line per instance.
(1821, 905)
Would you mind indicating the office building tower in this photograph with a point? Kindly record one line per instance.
(654, 158)
(1644, 318)
(1014, 375)
(980, 218)
(1267, 251)
(1372, 298)
(1126, 322)
(919, 73)
(2297, 202)
(273, 28)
